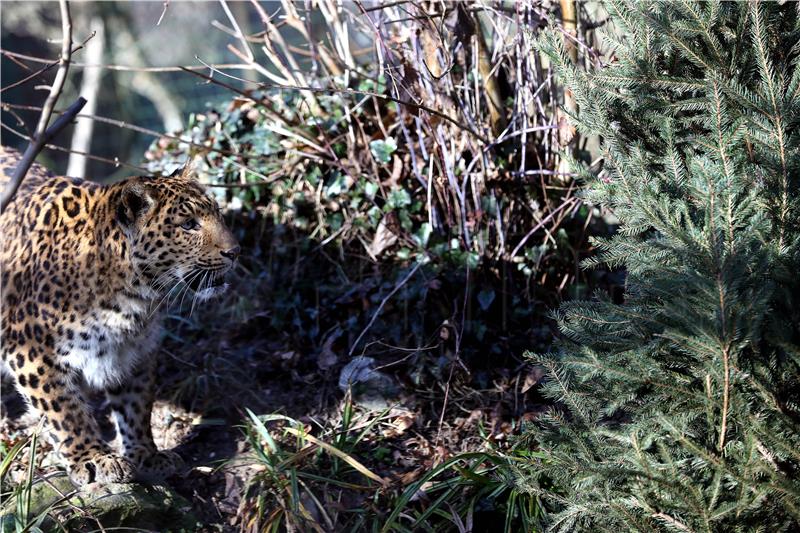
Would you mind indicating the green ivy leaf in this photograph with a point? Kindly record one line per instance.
(337, 187)
(383, 149)
(485, 298)
(370, 189)
(423, 234)
(398, 198)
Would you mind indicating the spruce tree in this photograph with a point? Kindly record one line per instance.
(677, 410)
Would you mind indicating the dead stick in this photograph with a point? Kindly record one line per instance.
(42, 133)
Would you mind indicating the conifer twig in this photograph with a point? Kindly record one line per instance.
(42, 135)
(725, 399)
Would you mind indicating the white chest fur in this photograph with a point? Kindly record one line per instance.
(108, 343)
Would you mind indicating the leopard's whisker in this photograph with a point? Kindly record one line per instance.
(205, 280)
(168, 293)
(188, 282)
(166, 277)
(184, 287)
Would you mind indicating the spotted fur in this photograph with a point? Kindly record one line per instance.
(86, 270)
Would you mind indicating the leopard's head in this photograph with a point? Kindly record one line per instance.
(176, 234)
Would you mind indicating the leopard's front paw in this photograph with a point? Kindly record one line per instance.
(159, 465)
(101, 468)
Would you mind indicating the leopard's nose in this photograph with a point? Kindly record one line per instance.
(232, 254)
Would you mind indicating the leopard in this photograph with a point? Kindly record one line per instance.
(87, 272)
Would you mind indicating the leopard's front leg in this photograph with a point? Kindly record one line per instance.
(53, 390)
(131, 405)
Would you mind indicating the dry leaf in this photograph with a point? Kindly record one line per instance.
(385, 236)
(327, 358)
(407, 478)
(533, 378)
(566, 131)
(400, 425)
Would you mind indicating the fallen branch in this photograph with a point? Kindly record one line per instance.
(43, 134)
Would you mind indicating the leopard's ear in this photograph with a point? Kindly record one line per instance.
(137, 199)
(184, 171)
(188, 171)
(178, 171)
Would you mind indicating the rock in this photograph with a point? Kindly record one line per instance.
(371, 389)
(124, 505)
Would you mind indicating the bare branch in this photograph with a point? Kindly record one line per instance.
(48, 65)
(133, 127)
(238, 31)
(43, 134)
(29, 77)
(116, 163)
(123, 68)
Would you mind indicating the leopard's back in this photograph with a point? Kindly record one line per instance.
(9, 160)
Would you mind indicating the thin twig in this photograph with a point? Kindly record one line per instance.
(383, 303)
(125, 125)
(43, 134)
(150, 132)
(125, 68)
(268, 180)
(163, 12)
(113, 162)
(29, 77)
(48, 66)
(540, 224)
(238, 31)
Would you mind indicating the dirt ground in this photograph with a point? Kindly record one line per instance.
(421, 424)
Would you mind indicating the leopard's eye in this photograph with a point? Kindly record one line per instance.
(190, 224)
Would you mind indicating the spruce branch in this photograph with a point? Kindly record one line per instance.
(770, 84)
